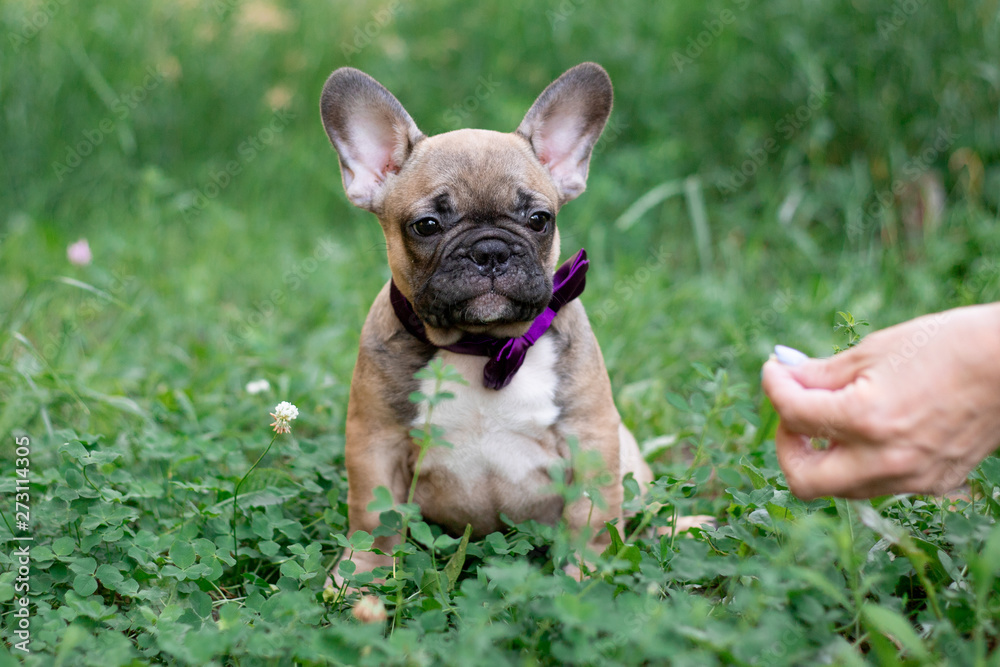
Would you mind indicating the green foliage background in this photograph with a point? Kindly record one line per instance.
(182, 139)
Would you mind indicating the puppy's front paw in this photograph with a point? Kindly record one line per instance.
(686, 523)
(364, 561)
(574, 571)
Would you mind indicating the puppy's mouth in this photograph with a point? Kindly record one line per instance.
(488, 308)
(484, 311)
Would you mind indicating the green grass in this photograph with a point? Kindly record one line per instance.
(128, 375)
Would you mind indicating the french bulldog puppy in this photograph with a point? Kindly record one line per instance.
(469, 218)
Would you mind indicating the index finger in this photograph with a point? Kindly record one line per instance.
(807, 411)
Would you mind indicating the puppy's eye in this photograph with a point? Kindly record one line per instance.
(426, 227)
(539, 221)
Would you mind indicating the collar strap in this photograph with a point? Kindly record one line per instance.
(506, 354)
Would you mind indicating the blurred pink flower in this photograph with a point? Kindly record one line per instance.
(79, 253)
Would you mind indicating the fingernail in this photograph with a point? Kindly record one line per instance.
(789, 356)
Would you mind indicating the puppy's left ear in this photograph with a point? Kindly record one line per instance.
(565, 122)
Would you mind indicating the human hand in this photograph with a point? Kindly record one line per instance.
(912, 409)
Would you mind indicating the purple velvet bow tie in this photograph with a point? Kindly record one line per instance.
(506, 354)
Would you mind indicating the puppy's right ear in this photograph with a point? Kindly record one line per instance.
(371, 131)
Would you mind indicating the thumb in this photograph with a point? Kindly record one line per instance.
(831, 373)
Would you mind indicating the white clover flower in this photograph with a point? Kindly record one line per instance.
(258, 386)
(283, 413)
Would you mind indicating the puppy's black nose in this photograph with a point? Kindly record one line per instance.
(490, 256)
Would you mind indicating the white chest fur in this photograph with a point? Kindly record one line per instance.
(503, 441)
